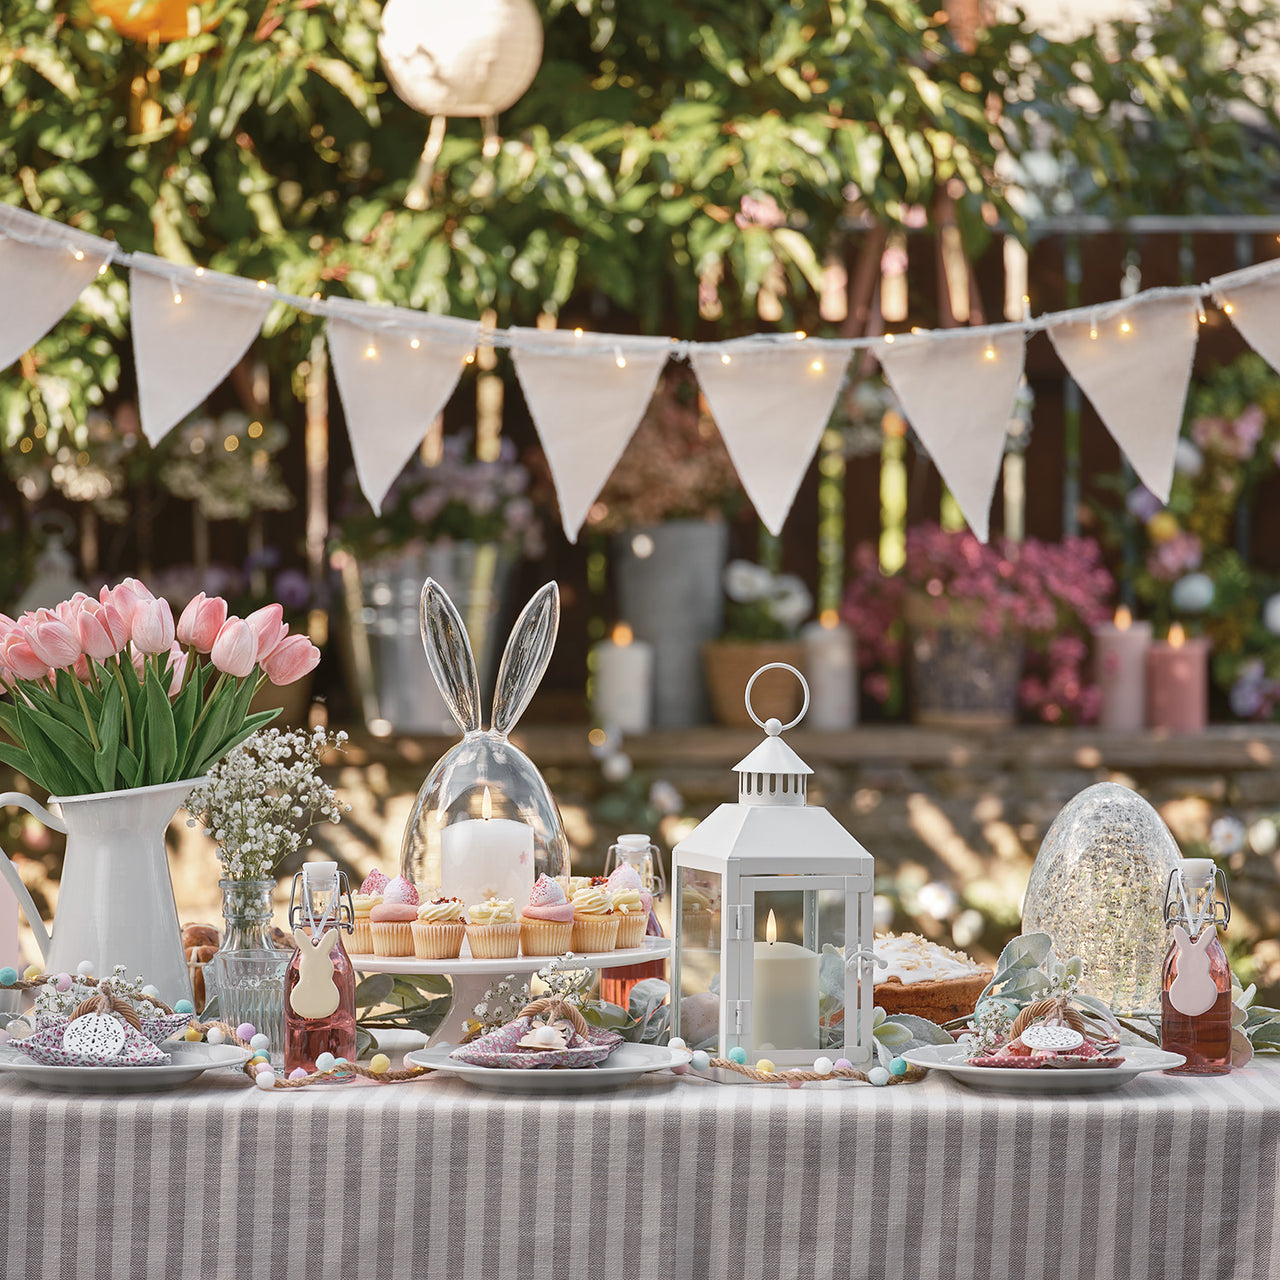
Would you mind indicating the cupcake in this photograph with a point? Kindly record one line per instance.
(632, 903)
(391, 921)
(494, 931)
(595, 925)
(546, 924)
(362, 934)
(439, 929)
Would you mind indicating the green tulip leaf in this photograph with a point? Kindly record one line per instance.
(158, 734)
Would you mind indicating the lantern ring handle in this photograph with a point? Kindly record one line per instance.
(777, 666)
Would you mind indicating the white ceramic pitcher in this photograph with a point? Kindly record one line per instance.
(115, 901)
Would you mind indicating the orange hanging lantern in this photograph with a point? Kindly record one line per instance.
(159, 20)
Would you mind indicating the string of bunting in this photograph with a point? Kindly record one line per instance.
(771, 394)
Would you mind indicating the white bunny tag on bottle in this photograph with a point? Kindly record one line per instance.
(315, 995)
(1193, 991)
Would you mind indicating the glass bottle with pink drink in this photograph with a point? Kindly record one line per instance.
(320, 983)
(1195, 1004)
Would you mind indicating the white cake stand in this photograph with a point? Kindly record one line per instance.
(470, 977)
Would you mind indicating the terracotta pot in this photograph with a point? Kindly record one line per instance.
(730, 664)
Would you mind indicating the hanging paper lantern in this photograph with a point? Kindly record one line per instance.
(450, 59)
(446, 59)
(161, 20)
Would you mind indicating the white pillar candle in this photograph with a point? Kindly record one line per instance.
(1120, 663)
(622, 695)
(784, 1001)
(486, 857)
(831, 666)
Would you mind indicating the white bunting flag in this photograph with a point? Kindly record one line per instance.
(1133, 361)
(1252, 299)
(771, 400)
(190, 326)
(958, 392)
(396, 370)
(586, 395)
(44, 268)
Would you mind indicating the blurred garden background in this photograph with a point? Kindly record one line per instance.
(843, 168)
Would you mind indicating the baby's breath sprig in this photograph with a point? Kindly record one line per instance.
(262, 799)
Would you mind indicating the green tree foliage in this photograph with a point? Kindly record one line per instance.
(664, 143)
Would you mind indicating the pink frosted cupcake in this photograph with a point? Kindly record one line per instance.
(546, 924)
(632, 903)
(439, 929)
(493, 932)
(391, 921)
(595, 923)
(363, 901)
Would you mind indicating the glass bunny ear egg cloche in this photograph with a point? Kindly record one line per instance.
(485, 824)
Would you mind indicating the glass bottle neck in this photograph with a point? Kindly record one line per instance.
(1192, 905)
(246, 913)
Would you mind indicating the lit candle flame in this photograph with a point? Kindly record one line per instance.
(771, 930)
(829, 619)
(1124, 619)
(1177, 637)
(623, 635)
(486, 808)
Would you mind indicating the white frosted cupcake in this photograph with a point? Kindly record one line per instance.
(493, 932)
(439, 929)
(595, 924)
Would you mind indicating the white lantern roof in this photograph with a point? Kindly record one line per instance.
(773, 840)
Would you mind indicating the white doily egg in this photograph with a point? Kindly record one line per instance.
(94, 1035)
(1059, 1039)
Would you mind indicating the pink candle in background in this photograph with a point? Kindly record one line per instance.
(1120, 661)
(1178, 682)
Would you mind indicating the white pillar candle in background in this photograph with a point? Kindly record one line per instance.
(831, 667)
(784, 1000)
(1120, 665)
(486, 857)
(622, 693)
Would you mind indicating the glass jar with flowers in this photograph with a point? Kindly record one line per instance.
(979, 628)
(259, 803)
(460, 520)
(763, 613)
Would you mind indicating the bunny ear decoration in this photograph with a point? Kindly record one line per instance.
(444, 636)
(525, 659)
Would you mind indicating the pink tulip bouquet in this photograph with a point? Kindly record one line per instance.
(108, 694)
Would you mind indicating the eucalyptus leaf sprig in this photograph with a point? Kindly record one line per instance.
(111, 694)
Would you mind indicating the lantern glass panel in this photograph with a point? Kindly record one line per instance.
(697, 960)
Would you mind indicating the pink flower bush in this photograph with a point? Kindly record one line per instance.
(146, 707)
(1049, 593)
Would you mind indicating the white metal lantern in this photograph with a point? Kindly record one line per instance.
(772, 918)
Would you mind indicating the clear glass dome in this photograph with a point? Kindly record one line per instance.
(1098, 888)
(485, 823)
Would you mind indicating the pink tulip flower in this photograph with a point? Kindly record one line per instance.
(201, 621)
(95, 632)
(152, 626)
(126, 597)
(268, 627)
(291, 660)
(20, 658)
(80, 669)
(52, 641)
(235, 650)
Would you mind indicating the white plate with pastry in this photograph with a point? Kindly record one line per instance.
(187, 1061)
(625, 1065)
(951, 1060)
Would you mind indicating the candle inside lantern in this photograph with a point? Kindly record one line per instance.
(1178, 682)
(486, 857)
(622, 694)
(831, 667)
(1120, 661)
(784, 1005)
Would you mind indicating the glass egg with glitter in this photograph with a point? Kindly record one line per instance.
(1097, 889)
(485, 824)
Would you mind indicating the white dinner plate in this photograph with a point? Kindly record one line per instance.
(951, 1060)
(189, 1059)
(627, 1063)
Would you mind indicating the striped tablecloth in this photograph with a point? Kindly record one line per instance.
(675, 1177)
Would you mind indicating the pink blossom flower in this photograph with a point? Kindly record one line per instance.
(201, 621)
(96, 627)
(235, 648)
(291, 660)
(269, 629)
(20, 658)
(52, 641)
(151, 627)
